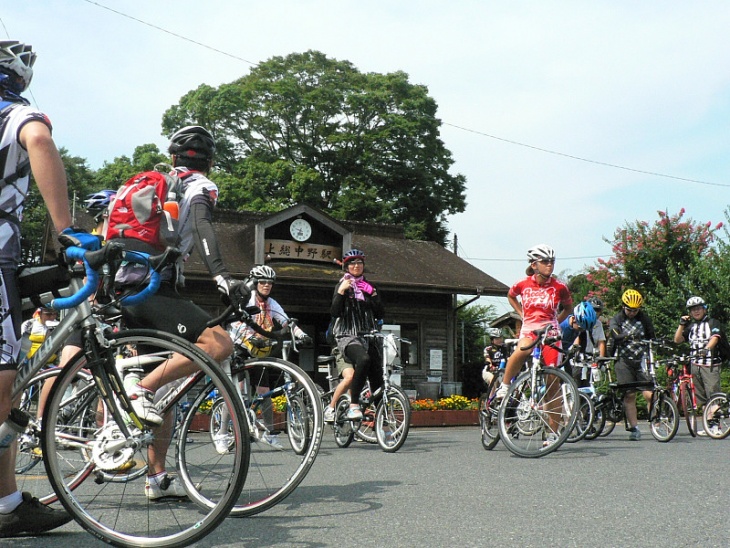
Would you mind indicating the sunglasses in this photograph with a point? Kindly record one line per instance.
(546, 261)
(266, 282)
(355, 261)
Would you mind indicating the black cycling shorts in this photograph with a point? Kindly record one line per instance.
(168, 311)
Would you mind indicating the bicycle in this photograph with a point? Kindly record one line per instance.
(663, 415)
(392, 416)
(80, 435)
(595, 369)
(489, 405)
(716, 416)
(274, 471)
(539, 410)
(682, 388)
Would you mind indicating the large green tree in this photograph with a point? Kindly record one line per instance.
(80, 182)
(309, 129)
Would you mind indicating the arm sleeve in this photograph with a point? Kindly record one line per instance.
(201, 214)
(338, 304)
(377, 303)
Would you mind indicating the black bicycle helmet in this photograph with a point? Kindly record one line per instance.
(192, 142)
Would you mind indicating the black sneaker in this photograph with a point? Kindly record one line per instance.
(32, 517)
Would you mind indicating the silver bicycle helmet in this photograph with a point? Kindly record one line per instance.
(263, 273)
(540, 252)
(16, 65)
(695, 301)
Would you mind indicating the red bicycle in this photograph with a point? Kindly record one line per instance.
(682, 388)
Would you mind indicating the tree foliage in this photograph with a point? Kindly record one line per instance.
(309, 129)
(667, 262)
(80, 182)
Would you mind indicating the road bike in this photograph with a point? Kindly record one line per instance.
(540, 408)
(392, 413)
(89, 424)
(278, 464)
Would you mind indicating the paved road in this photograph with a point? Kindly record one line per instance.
(444, 489)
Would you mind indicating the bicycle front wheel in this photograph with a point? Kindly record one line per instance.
(688, 410)
(537, 416)
(664, 418)
(716, 417)
(286, 425)
(584, 421)
(392, 420)
(129, 513)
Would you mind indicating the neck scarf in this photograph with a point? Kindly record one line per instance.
(356, 285)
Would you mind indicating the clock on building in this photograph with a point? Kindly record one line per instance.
(300, 230)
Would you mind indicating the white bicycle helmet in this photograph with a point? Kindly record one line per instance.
(696, 301)
(540, 252)
(263, 273)
(16, 65)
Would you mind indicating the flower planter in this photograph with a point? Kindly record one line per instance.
(200, 423)
(445, 417)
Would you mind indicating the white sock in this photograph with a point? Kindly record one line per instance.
(157, 478)
(11, 502)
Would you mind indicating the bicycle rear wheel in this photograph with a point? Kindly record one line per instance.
(536, 419)
(121, 513)
(366, 431)
(392, 420)
(688, 410)
(716, 417)
(276, 469)
(664, 418)
(488, 423)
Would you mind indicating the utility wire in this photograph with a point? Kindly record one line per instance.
(172, 33)
(654, 173)
(510, 141)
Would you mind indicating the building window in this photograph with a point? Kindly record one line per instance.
(409, 353)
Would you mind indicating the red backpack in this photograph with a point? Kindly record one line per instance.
(138, 215)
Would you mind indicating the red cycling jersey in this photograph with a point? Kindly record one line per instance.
(540, 302)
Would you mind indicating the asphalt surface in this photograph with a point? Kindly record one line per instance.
(443, 489)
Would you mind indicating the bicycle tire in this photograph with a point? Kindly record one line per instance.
(488, 424)
(664, 418)
(343, 428)
(122, 514)
(717, 413)
(599, 423)
(273, 474)
(297, 424)
(584, 421)
(688, 410)
(392, 420)
(366, 429)
(77, 418)
(526, 418)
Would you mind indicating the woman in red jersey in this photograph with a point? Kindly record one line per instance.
(540, 295)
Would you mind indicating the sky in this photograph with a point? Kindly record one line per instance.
(568, 118)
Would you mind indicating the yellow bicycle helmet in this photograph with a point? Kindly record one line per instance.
(632, 298)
